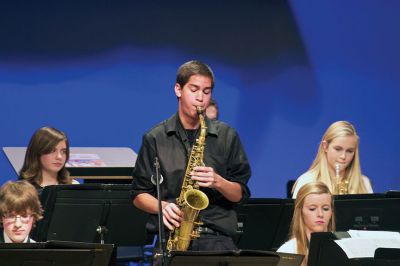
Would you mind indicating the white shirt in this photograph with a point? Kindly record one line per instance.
(309, 177)
(289, 247)
(305, 178)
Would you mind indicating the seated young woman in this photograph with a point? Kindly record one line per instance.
(45, 159)
(313, 212)
(337, 163)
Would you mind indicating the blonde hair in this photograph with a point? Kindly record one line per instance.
(43, 141)
(320, 165)
(298, 227)
(20, 197)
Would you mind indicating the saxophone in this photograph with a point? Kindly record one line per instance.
(191, 200)
(342, 186)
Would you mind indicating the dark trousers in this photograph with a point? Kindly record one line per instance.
(209, 242)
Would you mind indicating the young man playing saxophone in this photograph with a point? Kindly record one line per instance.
(223, 178)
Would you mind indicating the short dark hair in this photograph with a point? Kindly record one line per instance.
(191, 68)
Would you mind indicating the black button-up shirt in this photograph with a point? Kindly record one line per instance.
(223, 152)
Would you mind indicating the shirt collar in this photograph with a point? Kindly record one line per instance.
(171, 125)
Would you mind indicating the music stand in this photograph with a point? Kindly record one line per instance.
(91, 213)
(367, 212)
(282, 230)
(55, 253)
(393, 194)
(237, 258)
(263, 223)
(325, 252)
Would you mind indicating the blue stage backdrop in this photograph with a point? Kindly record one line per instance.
(104, 72)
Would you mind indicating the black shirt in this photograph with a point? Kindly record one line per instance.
(223, 152)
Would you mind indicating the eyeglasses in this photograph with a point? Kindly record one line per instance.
(13, 218)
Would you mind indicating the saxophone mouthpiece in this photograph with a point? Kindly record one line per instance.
(337, 168)
(199, 109)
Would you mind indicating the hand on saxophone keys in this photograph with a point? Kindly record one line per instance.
(172, 215)
(206, 176)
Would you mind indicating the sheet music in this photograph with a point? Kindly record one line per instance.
(363, 244)
(84, 160)
(374, 234)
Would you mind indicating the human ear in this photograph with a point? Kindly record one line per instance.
(325, 145)
(178, 90)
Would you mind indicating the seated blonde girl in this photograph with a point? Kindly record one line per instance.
(313, 212)
(337, 163)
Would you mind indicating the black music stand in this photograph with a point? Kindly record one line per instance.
(282, 232)
(263, 223)
(91, 213)
(385, 253)
(55, 253)
(325, 252)
(368, 212)
(237, 258)
(393, 194)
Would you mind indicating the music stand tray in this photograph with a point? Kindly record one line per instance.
(55, 253)
(236, 258)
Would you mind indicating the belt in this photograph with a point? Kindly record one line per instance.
(208, 231)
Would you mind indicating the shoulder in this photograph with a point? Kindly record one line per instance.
(222, 129)
(156, 130)
(220, 124)
(305, 178)
(74, 182)
(163, 127)
(367, 184)
(217, 124)
(289, 247)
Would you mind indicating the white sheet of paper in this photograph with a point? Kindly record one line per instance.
(363, 244)
(374, 234)
(83, 156)
(85, 160)
(365, 248)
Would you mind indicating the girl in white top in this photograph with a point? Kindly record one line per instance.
(313, 212)
(337, 161)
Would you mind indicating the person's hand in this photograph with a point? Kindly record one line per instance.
(172, 216)
(205, 176)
